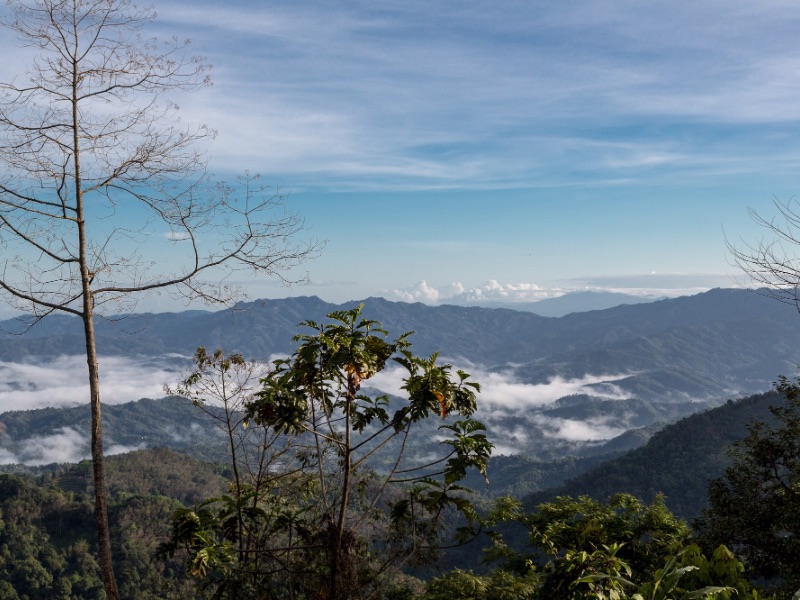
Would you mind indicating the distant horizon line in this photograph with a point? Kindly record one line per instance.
(489, 303)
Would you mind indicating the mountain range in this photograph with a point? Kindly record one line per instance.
(581, 385)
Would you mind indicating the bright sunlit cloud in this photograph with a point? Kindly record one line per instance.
(652, 286)
(63, 381)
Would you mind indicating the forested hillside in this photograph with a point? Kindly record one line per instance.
(48, 551)
(678, 461)
(268, 486)
(47, 538)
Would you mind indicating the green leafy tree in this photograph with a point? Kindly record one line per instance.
(690, 574)
(755, 507)
(580, 574)
(640, 533)
(341, 525)
(585, 549)
(602, 575)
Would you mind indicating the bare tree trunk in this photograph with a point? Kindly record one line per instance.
(101, 508)
(100, 500)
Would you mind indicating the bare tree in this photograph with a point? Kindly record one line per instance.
(773, 262)
(98, 175)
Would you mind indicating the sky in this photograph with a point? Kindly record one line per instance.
(476, 151)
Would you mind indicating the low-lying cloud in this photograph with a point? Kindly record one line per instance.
(509, 407)
(573, 430)
(62, 381)
(65, 445)
(502, 392)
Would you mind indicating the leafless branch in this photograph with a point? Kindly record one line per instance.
(772, 263)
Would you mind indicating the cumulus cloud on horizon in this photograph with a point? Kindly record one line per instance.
(457, 293)
(649, 285)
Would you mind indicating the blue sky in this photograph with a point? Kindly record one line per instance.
(518, 148)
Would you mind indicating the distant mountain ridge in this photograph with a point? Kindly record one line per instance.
(718, 344)
(572, 302)
(616, 370)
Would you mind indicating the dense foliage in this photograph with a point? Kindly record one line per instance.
(755, 507)
(48, 547)
(581, 549)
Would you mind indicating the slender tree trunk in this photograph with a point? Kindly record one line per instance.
(338, 565)
(100, 505)
(229, 427)
(101, 508)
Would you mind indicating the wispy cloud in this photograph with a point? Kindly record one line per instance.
(512, 409)
(502, 393)
(453, 94)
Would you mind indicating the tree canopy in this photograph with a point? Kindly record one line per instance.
(755, 507)
(325, 520)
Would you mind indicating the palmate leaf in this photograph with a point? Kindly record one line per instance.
(473, 449)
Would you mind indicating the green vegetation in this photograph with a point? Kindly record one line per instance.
(755, 507)
(48, 545)
(583, 549)
(331, 492)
